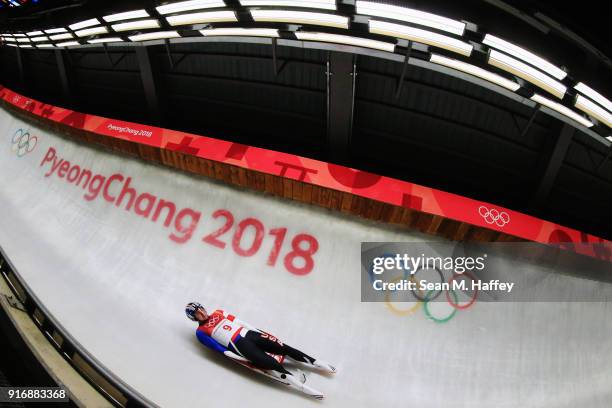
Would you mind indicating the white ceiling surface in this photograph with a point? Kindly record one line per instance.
(119, 285)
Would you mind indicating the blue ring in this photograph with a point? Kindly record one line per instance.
(385, 255)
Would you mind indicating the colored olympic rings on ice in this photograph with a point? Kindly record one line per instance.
(429, 297)
(427, 302)
(424, 300)
(23, 143)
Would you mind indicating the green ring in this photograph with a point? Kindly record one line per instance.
(435, 319)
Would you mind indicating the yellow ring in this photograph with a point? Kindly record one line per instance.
(397, 311)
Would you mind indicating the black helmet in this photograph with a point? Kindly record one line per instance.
(191, 309)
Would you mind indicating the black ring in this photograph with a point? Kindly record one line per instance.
(415, 292)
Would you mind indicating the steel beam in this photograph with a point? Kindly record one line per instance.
(149, 76)
(21, 68)
(341, 77)
(400, 82)
(274, 58)
(554, 160)
(534, 113)
(65, 74)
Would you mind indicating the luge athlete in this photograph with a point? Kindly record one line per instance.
(224, 332)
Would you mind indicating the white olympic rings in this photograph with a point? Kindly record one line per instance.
(493, 216)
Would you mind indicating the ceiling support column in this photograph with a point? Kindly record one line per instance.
(552, 165)
(341, 77)
(65, 74)
(21, 68)
(149, 76)
(400, 82)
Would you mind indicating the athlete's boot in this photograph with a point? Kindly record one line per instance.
(324, 366)
(318, 363)
(299, 383)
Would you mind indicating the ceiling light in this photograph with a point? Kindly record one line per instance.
(476, 71)
(136, 25)
(188, 6)
(25, 46)
(22, 40)
(19, 35)
(411, 16)
(319, 4)
(105, 40)
(45, 46)
(35, 33)
(594, 110)
(67, 44)
(345, 39)
(91, 31)
(61, 36)
(561, 109)
(204, 17)
(126, 16)
(39, 39)
(83, 24)
(609, 138)
(526, 72)
(300, 17)
(525, 55)
(246, 32)
(594, 95)
(422, 36)
(56, 30)
(157, 35)
(10, 39)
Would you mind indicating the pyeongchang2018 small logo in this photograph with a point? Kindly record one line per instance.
(493, 216)
(23, 142)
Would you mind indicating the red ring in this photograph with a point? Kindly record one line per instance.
(457, 306)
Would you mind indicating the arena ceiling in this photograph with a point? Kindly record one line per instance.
(424, 119)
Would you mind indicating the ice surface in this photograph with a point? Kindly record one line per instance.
(118, 284)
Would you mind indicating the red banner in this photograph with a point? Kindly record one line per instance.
(361, 183)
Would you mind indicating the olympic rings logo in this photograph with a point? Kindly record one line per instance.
(424, 300)
(493, 216)
(23, 143)
(213, 320)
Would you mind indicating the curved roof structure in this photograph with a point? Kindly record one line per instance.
(438, 96)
